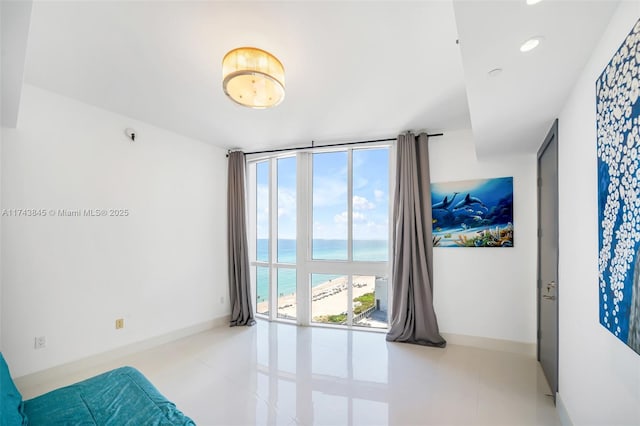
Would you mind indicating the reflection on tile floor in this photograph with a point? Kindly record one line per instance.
(286, 375)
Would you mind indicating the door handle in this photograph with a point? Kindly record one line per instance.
(549, 297)
(550, 285)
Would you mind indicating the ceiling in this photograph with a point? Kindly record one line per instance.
(513, 111)
(354, 70)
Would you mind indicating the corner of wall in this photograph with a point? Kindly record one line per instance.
(563, 414)
(497, 283)
(154, 259)
(15, 19)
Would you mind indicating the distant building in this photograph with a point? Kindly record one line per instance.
(382, 293)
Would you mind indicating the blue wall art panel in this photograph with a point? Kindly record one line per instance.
(618, 140)
(473, 213)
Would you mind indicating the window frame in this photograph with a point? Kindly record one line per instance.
(305, 265)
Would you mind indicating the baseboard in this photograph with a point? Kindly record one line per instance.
(61, 371)
(522, 348)
(561, 409)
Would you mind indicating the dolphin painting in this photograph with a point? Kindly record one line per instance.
(445, 203)
(468, 201)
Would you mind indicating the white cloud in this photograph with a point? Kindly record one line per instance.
(344, 216)
(361, 203)
(286, 202)
(262, 193)
(371, 230)
(329, 191)
(359, 182)
(341, 218)
(286, 212)
(378, 194)
(334, 231)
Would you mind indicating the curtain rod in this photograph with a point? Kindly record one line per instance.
(269, 151)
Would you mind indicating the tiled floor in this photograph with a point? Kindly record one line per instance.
(286, 375)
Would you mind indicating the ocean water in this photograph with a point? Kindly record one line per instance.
(363, 250)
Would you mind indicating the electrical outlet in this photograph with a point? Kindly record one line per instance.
(221, 300)
(40, 342)
(119, 323)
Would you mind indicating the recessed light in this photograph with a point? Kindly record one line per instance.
(495, 72)
(532, 2)
(530, 44)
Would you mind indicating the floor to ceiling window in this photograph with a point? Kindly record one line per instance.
(319, 231)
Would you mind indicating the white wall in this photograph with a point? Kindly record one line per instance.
(1, 114)
(599, 376)
(488, 292)
(162, 268)
(1, 133)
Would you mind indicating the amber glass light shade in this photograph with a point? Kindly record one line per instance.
(253, 77)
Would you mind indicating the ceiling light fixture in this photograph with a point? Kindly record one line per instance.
(532, 2)
(530, 44)
(253, 77)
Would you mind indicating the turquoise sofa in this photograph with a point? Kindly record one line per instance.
(118, 397)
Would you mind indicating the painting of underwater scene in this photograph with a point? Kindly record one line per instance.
(473, 213)
(618, 145)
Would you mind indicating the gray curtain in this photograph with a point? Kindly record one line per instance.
(239, 278)
(413, 318)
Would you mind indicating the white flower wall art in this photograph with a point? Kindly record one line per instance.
(618, 143)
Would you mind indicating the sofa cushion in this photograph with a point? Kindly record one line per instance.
(118, 397)
(11, 406)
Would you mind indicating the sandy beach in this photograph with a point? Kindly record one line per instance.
(328, 298)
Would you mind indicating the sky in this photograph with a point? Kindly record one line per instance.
(330, 198)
